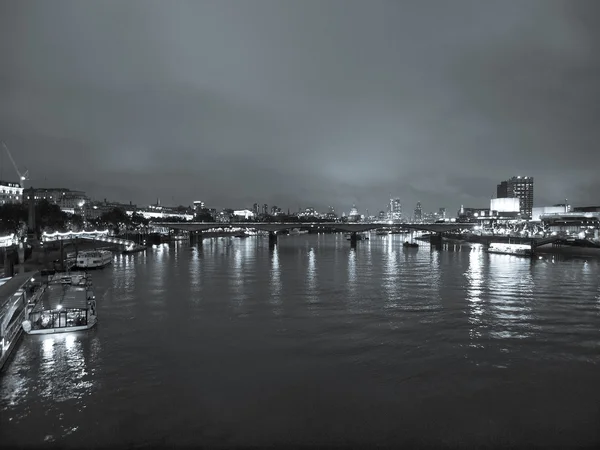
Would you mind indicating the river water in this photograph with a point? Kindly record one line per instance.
(312, 342)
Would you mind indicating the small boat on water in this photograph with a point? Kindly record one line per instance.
(93, 259)
(510, 249)
(66, 302)
(382, 232)
(295, 231)
(410, 244)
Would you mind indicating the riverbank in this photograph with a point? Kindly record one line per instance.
(547, 249)
(569, 250)
(48, 257)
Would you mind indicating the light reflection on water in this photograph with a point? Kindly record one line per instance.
(260, 336)
(352, 279)
(312, 294)
(475, 282)
(275, 282)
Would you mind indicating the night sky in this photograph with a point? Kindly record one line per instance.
(303, 102)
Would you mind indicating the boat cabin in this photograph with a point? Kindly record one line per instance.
(62, 305)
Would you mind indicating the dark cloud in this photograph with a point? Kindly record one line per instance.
(303, 103)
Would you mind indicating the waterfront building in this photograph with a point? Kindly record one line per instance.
(586, 209)
(94, 210)
(10, 192)
(473, 214)
(505, 208)
(521, 188)
(539, 211)
(577, 223)
(68, 200)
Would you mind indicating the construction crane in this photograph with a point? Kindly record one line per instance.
(22, 176)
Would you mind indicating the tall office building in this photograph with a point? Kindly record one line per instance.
(521, 188)
(395, 210)
(502, 190)
(418, 213)
(442, 213)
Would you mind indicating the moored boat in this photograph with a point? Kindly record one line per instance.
(93, 259)
(510, 249)
(407, 244)
(65, 303)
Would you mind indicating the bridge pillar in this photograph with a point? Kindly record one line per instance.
(198, 238)
(353, 239)
(435, 239)
(272, 238)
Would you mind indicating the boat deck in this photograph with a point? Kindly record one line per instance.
(62, 295)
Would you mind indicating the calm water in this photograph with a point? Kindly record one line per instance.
(232, 343)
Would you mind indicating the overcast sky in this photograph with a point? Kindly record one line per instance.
(303, 102)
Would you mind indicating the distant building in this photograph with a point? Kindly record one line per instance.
(353, 216)
(395, 210)
(244, 213)
(308, 212)
(442, 213)
(418, 216)
(10, 192)
(93, 210)
(521, 188)
(161, 212)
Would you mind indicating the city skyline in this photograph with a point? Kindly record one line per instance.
(292, 103)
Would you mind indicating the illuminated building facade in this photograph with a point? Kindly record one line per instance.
(10, 192)
(418, 216)
(395, 210)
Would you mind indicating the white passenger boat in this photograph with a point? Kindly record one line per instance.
(510, 249)
(65, 303)
(93, 259)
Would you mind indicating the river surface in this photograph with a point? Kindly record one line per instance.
(233, 343)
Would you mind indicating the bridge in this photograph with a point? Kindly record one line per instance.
(195, 228)
(101, 236)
